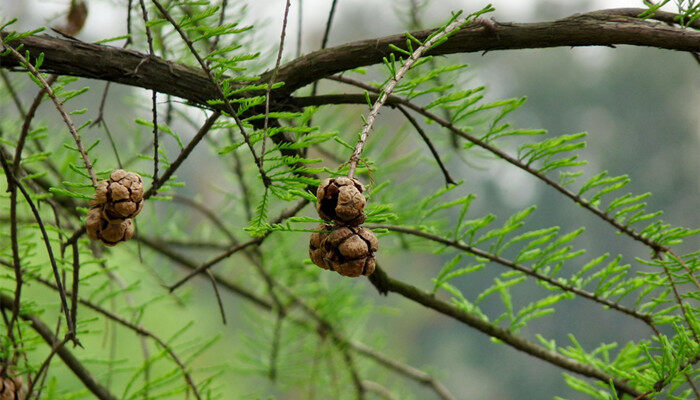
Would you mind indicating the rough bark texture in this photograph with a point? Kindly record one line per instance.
(600, 28)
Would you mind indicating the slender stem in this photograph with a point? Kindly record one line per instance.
(391, 84)
(76, 285)
(62, 294)
(403, 369)
(300, 21)
(236, 248)
(433, 151)
(184, 154)
(59, 106)
(324, 40)
(272, 79)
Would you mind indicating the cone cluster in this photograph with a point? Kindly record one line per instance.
(11, 387)
(117, 201)
(342, 244)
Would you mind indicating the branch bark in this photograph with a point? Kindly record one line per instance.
(598, 28)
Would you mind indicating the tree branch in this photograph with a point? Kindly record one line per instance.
(385, 283)
(599, 28)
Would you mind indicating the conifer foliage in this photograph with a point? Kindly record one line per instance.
(237, 158)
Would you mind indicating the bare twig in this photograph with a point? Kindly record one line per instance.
(236, 248)
(324, 40)
(184, 154)
(433, 151)
(272, 79)
(403, 369)
(381, 391)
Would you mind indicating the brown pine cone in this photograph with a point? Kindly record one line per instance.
(121, 194)
(341, 200)
(108, 231)
(11, 388)
(346, 250)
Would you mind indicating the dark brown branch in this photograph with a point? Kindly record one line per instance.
(600, 28)
(385, 283)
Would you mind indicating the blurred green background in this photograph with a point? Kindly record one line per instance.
(641, 108)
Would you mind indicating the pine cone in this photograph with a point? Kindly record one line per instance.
(109, 231)
(346, 250)
(121, 194)
(341, 200)
(11, 388)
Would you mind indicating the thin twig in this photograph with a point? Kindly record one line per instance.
(324, 40)
(379, 390)
(433, 151)
(222, 18)
(45, 365)
(689, 321)
(62, 294)
(403, 369)
(274, 351)
(272, 79)
(218, 296)
(389, 87)
(76, 285)
(154, 94)
(300, 21)
(184, 154)
(236, 248)
(66, 118)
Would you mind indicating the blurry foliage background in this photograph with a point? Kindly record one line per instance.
(640, 106)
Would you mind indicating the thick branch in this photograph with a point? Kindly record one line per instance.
(599, 28)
